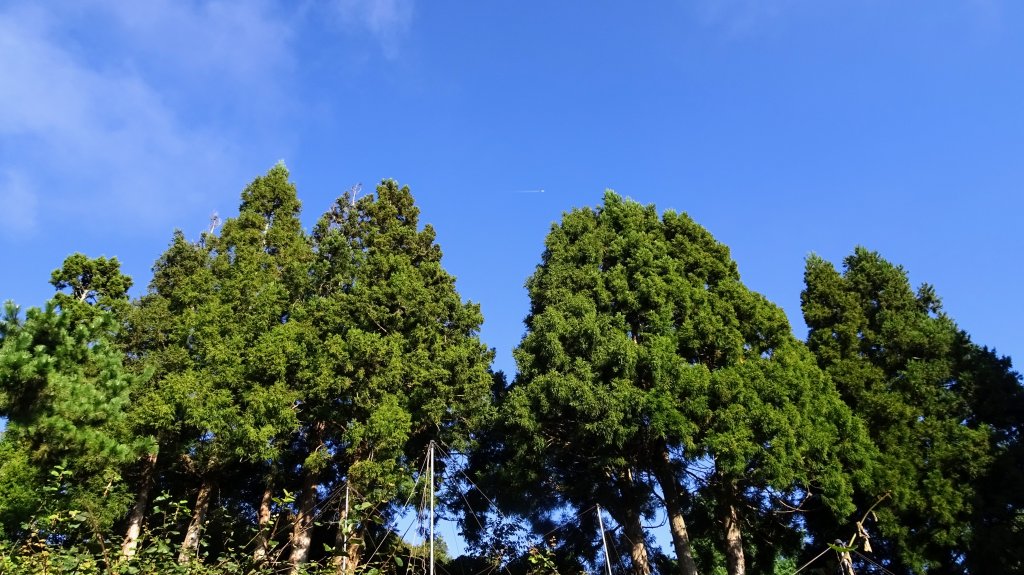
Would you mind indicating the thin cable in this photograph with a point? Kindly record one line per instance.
(543, 538)
(317, 513)
(873, 562)
(447, 454)
(407, 502)
(397, 547)
(804, 566)
(566, 522)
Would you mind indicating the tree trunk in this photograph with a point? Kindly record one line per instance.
(674, 508)
(190, 546)
(626, 513)
(343, 562)
(351, 548)
(735, 563)
(138, 513)
(634, 533)
(354, 551)
(302, 531)
(263, 523)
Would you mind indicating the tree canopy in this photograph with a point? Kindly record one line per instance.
(940, 409)
(266, 405)
(649, 373)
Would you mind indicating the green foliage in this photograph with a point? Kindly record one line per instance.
(642, 343)
(64, 392)
(269, 374)
(93, 285)
(394, 353)
(40, 552)
(542, 562)
(320, 360)
(940, 409)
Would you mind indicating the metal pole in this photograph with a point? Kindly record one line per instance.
(604, 543)
(430, 453)
(344, 531)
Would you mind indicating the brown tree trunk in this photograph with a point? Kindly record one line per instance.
(354, 552)
(342, 562)
(351, 547)
(190, 546)
(263, 524)
(735, 563)
(674, 508)
(138, 513)
(626, 513)
(302, 530)
(634, 533)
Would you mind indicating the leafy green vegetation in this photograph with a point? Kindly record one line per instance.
(266, 406)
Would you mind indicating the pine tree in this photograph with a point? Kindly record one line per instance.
(94, 286)
(64, 392)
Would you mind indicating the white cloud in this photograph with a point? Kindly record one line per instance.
(19, 206)
(387, 20)
(239, 40)
(116, 134)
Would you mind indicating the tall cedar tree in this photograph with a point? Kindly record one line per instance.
(216, 328)
(262, 261)
(644, 355)
(395, 359)
(944, 413)
(159, 338)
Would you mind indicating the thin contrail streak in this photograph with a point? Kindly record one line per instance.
(540, 191)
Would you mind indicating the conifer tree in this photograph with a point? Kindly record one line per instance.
(157, 340)
(996, 399)
(396, 360)
(94, 286)
(63, 391)
(214, 330)
(261, 262)
(939, 408)
(644, 354)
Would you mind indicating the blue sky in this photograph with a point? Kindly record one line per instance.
(784, 126)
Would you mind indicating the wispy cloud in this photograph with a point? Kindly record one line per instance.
(116, 134)
(237, 42)
(387, 20)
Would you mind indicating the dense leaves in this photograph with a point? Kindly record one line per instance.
(944, 413)
(63, 393)
(649, 373)
(267, 404)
